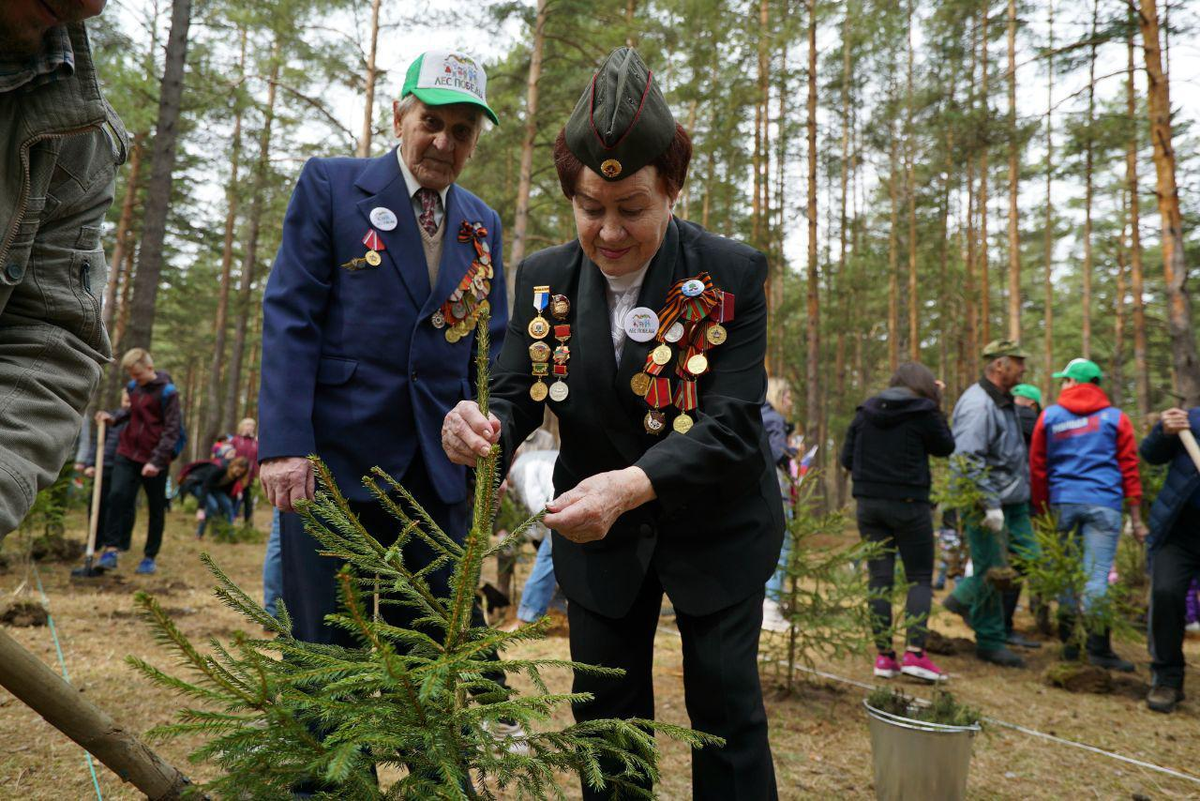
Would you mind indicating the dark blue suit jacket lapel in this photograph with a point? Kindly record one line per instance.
(384, 184)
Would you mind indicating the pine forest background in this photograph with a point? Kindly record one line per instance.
(924, 177)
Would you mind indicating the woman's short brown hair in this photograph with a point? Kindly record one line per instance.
(918, 378)
(672, 163)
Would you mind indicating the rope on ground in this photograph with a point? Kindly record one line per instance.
(997, 722)
(63, 664)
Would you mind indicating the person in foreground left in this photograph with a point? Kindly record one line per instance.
(60, 144)
(651, 334)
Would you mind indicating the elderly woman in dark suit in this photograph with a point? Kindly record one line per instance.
(646, 336)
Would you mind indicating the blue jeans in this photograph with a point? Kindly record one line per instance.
(218, 504)
(775, 583)
(1100, 527)
(272, 568)
(539, 587)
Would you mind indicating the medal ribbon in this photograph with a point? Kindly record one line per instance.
(660, 393)
(685, 396)
(541, 298)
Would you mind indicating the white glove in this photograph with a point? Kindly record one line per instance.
(994, 520)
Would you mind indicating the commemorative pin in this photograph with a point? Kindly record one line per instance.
(383, 218)
(640, 324)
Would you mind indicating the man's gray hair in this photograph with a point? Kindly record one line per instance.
(411, 101)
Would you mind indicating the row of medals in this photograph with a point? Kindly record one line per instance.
(696, 365)
(458, 314)
(540, 352)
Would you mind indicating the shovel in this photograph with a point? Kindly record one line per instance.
(90, 570)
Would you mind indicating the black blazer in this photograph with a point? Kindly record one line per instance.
(713, 534)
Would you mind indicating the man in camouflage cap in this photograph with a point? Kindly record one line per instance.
(988, 438)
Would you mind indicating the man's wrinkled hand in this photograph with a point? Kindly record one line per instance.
(587, 512)
(286, 480)
(467, 434)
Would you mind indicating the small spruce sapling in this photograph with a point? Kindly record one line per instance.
(417, 699)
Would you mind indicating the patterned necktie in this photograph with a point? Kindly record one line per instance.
(430, 201)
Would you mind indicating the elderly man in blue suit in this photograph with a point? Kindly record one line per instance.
(368, 326)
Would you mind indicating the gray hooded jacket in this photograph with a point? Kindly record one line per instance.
(987, 432)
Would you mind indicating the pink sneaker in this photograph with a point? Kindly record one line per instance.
(886, 667)
(921, 666)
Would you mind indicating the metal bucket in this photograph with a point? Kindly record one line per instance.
(918, 761)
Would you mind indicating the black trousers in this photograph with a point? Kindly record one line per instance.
(905, 527)
(1175, 564)
(720, 680)
(309, 579)
(122, 506)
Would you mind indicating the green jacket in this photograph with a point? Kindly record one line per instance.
(59, 148)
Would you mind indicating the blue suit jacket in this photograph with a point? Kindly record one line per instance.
(352, 369)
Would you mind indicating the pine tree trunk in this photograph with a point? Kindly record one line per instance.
(914, 336)
(368, 126)
(250, 257)
(1086, 343)
(212, 406)
(1014, 176)
(1140, 366)
(760, 124)
(1048, 244)
(525, 178)
(123, 234)
(844, 282)
(158, 190)
(985, 284)
(812, 373)
(893, 258)
(1117, 382)
(1179, 305)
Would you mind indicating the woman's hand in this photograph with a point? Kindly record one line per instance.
(200, 515)
(467, 434)
(587, 512)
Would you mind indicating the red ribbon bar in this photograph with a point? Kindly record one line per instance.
(560, 369)
(562, 332)
(660, 393)
(685, 396)
(372, 240)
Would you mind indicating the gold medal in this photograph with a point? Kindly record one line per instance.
(697, 364)
(661, 354)
(538, 391)
(452, 334)
(538, 327)
(640, 384)
(558, 391)
(716, 334)
(683, 423)
(539, 352)
(372, 258)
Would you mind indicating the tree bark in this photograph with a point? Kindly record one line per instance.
(1140, 366)
(1086, 341)
(813, 396)
(1014, 176)
(893, 258)
(212, 406)
(1048, 244)
(914, 336)
(123, 234)
(250, 257)
(1179, 305)
(985, 284)
(1117, 382)
(158, 190)
(368, 126)
(525, 179)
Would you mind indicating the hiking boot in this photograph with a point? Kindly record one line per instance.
(886, 666)
(1162, 698)
(1002, 656)
(108, 560)
(773, 619)
(509, 735)
(1021, 641)
(146, 566)
(920, 666)
(952, 604)
(1101, 654)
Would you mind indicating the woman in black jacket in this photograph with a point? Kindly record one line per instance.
(887, 451)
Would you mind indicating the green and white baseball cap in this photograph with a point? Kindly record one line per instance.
(442, 77)
(1081, 370)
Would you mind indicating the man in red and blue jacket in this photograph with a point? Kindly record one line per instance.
(1083, 466)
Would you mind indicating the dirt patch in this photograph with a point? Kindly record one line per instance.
(1079, 677)
(105, 582)
(173, 612)
(937, 643)
(24, 614)
(56, 548)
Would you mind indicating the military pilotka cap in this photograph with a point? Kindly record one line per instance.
(1004, 347)
(1081, 370)
(621, 122)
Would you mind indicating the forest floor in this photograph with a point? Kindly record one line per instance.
(818, 731)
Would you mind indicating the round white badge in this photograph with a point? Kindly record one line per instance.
(383, 219)
(641, 324)
(693, 287)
